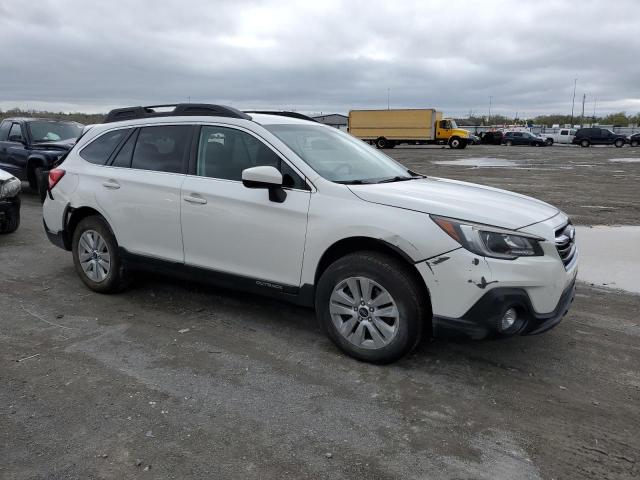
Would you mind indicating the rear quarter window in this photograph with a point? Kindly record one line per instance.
(100, 149)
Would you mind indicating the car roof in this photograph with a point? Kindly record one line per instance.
(38, 119)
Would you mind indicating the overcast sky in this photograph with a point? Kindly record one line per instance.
(322, 55)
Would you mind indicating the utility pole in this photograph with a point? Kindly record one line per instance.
(594, 110)
(573, 102)
(584, 97)
(388, 96)
(490, 99)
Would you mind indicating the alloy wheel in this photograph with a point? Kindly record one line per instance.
(94, 256)
(364, 313)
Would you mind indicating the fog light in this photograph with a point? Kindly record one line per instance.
(508, 319)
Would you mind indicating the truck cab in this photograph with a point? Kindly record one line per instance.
(447, 131)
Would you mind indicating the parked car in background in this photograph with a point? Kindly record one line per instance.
(9, 202)
(31, 146)
(634, 140)
(522, 138)
(563, 136)
(283, 206)
(585, 137)
(491, 138)
(473, 139)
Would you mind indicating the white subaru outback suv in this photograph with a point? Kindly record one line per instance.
(276, 203)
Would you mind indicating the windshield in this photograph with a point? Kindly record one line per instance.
(453, 124)
(339, 157)
(54, 131)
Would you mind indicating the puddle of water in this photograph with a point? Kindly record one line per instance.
(479, 162)
(610, 256)
(626, 160)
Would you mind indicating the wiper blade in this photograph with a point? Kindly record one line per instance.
(353, 182)
(397, 178)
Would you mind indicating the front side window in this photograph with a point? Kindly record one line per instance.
(337, 156)
(225, 152)
(15, 134)
(43, 131)
(4, 130)
(99, 150)
(161, 148)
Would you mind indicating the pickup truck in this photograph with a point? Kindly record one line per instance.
(563, 136)
(30, 146)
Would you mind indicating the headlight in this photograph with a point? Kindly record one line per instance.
(490, 241)
(10, 188)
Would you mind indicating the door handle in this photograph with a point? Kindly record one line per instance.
(112, 184)
(194, 199)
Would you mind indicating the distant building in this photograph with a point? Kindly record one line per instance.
(334, 120)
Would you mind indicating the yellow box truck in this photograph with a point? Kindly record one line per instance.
(388, 128)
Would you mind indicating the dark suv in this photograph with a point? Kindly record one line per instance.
(522, 138)
(585, 137)
(30, 146)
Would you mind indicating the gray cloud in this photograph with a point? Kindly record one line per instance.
(321, 56)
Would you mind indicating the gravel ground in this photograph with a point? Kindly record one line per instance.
(172, 380)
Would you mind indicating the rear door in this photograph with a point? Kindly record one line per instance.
(237, 230)
(139, 189)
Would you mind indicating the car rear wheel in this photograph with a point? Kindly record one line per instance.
(371, 306)
(619, 143)
(635, 143)
(509, 143)
(585, 143)
(549, 141)
(95, 256)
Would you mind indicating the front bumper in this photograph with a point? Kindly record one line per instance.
(483, 319)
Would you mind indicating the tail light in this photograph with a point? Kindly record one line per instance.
(55, 176)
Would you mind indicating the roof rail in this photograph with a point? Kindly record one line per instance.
(179, 109)
(284, 114)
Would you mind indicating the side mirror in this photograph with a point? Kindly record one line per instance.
(265, 177)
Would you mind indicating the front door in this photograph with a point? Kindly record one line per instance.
(237, 230)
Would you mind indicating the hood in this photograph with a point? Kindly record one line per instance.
(460, 132)
(62, 145)
(4, 176)
(461, 200)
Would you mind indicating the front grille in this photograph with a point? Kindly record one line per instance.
(566, 244)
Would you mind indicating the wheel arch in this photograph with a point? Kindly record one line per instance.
(74, 216)
(34, 161)
(349, 245)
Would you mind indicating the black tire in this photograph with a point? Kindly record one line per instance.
(619, 143)
(455, 142)
(381, 142)
(509, 143)
(115, 280)
(41, 182)
(397, 279)
(635, 143)
(32, 177)
(585, 143)
(549, 142)
(11, 220)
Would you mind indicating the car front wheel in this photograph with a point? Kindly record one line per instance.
(371, 306)
(635, 143)
(619, 143)
(585, 143)
(95, 255)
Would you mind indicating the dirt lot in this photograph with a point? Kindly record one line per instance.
(95, 386)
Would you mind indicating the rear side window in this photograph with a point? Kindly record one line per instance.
(161, 148)
(123, 157)
(101, 148)
(4, 131)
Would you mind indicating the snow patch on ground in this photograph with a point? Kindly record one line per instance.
(626, 160)
(479, 162)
